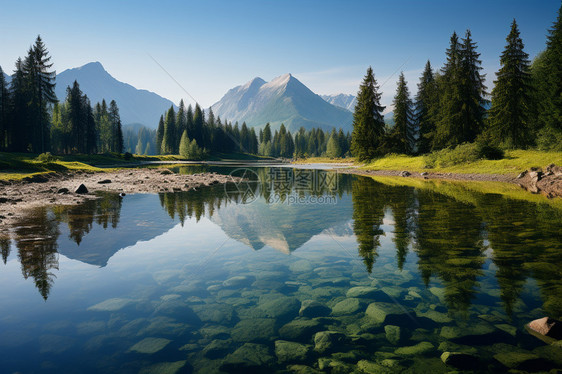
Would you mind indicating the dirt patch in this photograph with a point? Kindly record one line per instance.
(75, 188)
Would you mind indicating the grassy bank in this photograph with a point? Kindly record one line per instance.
(513, 162)
(15, 166)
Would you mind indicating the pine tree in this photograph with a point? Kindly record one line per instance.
(509, 122)
(19, 94)
(368, 122)
(333, 149)
(403, 130)
(181, 123)
(198, 122)
(425, 107)
(448, 130)
(548, 79)
(184, 145)
(116, 130)
(160, 135)
(473, 91)
(169, 132)
(42, 90)
(4, 111)
(267, 133)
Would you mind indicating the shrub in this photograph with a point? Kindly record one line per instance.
(462, 153)
(127, 156)
(46, 157)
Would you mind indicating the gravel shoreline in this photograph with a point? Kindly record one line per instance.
(59, 188)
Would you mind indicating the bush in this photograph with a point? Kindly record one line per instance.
(461, 154)
(46, 157)
(127, 156)
(549, 139)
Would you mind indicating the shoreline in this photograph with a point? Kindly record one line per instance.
(53, 189)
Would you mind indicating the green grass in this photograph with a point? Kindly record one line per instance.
(513, 163)
(324, 160)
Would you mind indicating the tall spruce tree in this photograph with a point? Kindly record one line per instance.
(425, 108)
(116, 130)
(169, 132)
(181, 123)
(368, 121)
(4, 111)
(473, 90)
(448, 130)
(19, 93)
(549, 81)
(42, 92)
(403, 132)
(509, 122)
(160, 135)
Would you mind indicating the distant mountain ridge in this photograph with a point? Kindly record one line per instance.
(283, 100)
(135, 105)
(342, 100)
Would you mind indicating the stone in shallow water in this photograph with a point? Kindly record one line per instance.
(291, 352)
(439, 292)
(510, 329)
(370, 367)
(111, 305)
(392, 291)
(548, 327)
(551, 353)
(328, 341)
(254, 329)
(453, 347)
(467, 333)
(249, 356)
(362, 291)
(177, 309)
(382, 312)
(393, 334)
(459, 360)
(299, 330)
(436, 317)
(217, 348)
(313, 308)
(150, 345)
(164, 368)
(215, 332)
(418, 349)
(347, 306)
(164, 326)
(239, 281)
(281, 307)
(216, 313)
(521, 361)
(301, 266)
(302, 369)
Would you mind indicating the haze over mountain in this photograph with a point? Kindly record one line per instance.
(283, 100)
(341, 100)
(135, 106)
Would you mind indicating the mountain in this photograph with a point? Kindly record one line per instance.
(7, 78)
(341, 100)
(283, 100)
(135, 106)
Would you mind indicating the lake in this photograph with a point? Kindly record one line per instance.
(294, 270)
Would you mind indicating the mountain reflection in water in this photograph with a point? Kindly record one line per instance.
(452, 234)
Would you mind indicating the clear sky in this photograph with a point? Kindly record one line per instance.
(211, 46)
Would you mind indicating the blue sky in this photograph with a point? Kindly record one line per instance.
(211, 46)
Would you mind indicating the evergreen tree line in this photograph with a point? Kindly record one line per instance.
(193, 134)
(451, 105)
(32, 119)
(141, 142)
(76, 127)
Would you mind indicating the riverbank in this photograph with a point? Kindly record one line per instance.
(65, 188)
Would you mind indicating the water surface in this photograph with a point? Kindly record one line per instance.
(215, 279)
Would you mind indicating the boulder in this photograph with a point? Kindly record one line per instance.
(174, 367)
(521, 361)
(150, 345)
(386, 312)
(248, 358)
(362, 292)
(300, 330)
(104, 181)
(217, 348)
(291, 352)
(240, 281)
(63, 191)
(313, 309)
(281, 307)
(458, 360)
(81, 189)
(328, 341)
(414, 350)
(405, 173)
(254, 329)
(547, 327)
(393, 334)
(347, 306)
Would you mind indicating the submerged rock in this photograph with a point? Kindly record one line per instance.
(418, 349)
(281, 307)
(393, 334)
(150, 345)
(291, 352)
(240, 281)
(347, 306)
(254, 329)
(313, 309)
(362, 291)
(164, 368)
(328, 341)
(521, 361)
(459, 360)
(382, 312)
(300, 330)
(217, 348)
(370, 367)
(248, 356)
(111, 305)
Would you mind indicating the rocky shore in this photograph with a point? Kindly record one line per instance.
(77, 187)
